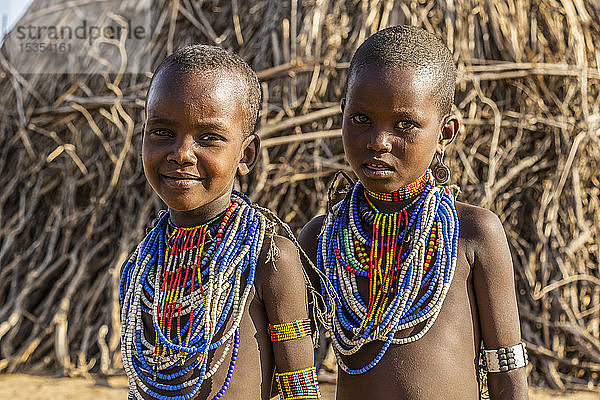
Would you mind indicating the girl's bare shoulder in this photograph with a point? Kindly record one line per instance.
(480, 230)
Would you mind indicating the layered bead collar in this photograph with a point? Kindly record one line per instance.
(406, 192)
(408, 256)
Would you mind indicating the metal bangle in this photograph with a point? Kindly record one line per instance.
(505, 359)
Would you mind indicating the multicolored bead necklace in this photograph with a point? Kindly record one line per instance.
(191, 284)
(406, 192)
(408, 256)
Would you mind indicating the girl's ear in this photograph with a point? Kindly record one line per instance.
(448, 131)
(250, 148)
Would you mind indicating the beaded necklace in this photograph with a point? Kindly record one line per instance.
(194, 274)
(408, 256)
(406, 192)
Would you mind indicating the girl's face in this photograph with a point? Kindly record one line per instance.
(392, 126)
(194, 141)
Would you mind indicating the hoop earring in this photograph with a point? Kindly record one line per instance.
(441, 172)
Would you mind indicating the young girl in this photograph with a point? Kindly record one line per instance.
(207, 307)
(420, 279)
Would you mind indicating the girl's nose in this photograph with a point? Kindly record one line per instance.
(380, 142)
(182, 152)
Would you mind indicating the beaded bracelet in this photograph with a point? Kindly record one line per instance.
(300, 384)
(290, 330)
(505, 359)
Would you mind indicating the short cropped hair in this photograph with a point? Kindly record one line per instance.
(409, 47)
(201, 58)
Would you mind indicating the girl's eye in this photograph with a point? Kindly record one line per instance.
(161, 132)
(360, 119)
(210, 138)
(405, 125)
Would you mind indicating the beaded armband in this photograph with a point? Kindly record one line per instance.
(290, 330)
(504, 359)
(300, 384)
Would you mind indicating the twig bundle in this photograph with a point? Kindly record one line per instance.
(74, 202)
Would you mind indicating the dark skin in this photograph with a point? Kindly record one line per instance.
(194, 146)
(391, 128)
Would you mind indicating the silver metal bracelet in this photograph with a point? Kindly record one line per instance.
(505, 359)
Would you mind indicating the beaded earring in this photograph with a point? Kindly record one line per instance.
(441, 172)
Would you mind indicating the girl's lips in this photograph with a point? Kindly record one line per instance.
(377, 170)
(181, 182)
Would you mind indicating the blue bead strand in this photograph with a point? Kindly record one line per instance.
(193, 339)
(422, 301)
